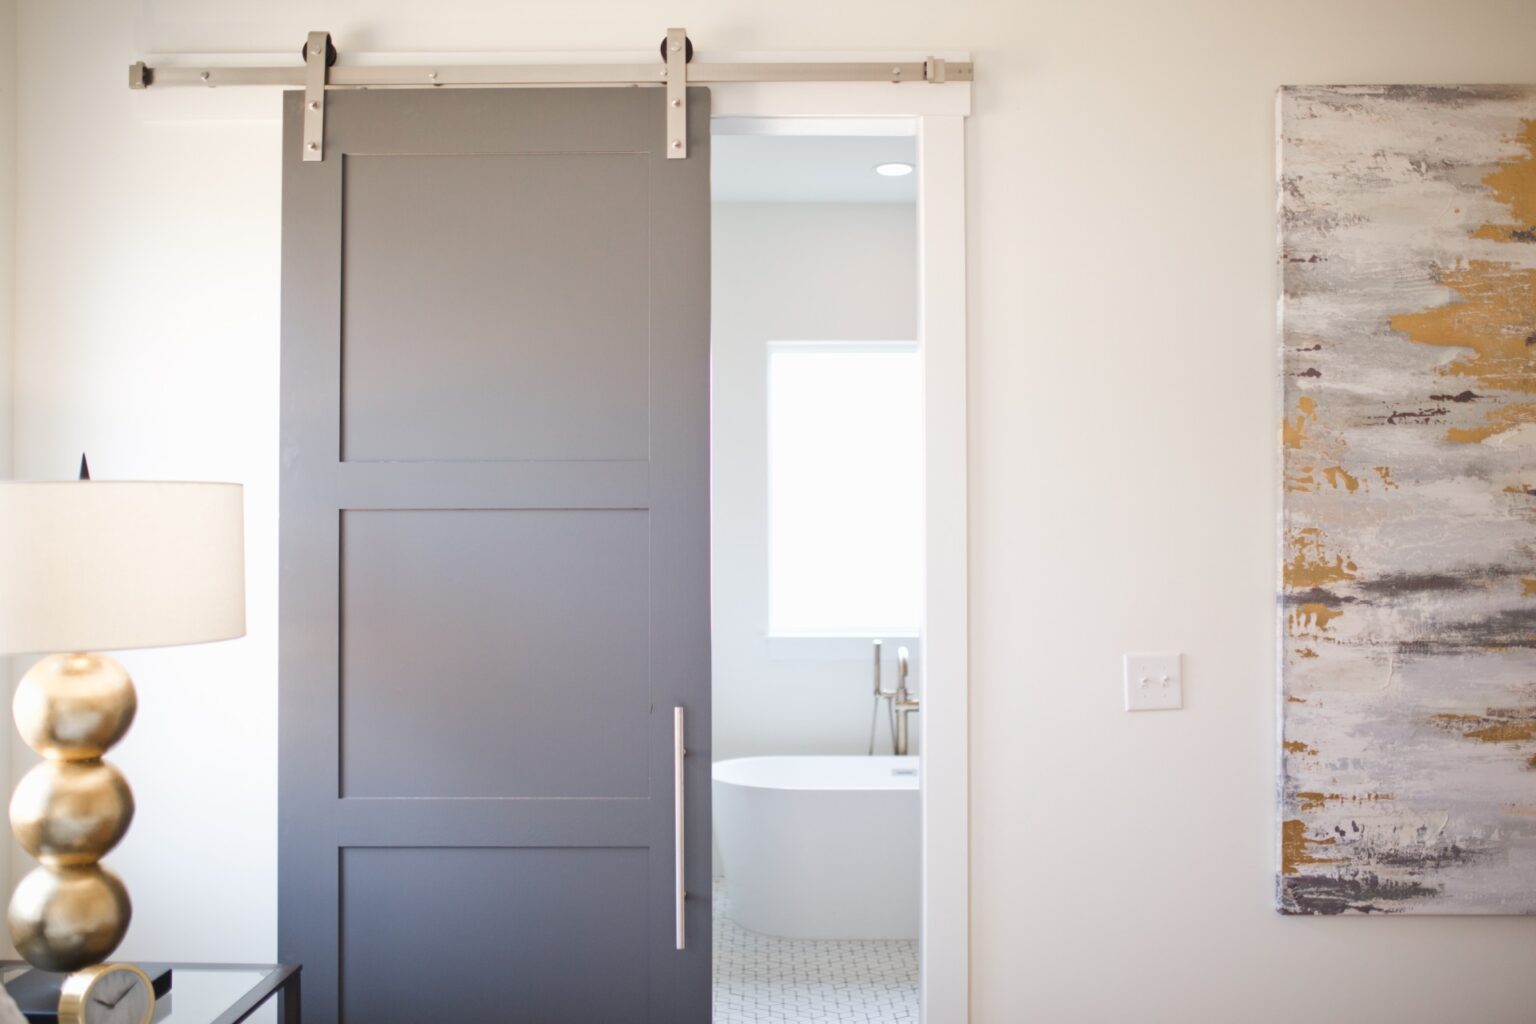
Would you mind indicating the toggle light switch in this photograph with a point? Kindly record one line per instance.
(1153, 682)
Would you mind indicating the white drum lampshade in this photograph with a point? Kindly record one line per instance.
(101, 565)
(90, 566)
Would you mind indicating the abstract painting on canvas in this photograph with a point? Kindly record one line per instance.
(1408, 541)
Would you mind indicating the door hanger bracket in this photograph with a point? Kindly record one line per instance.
(676, 51)
(319, 55)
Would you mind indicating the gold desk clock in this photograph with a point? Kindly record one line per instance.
(91, 566)
(107, 994)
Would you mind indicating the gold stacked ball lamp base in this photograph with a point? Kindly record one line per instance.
(70, 912)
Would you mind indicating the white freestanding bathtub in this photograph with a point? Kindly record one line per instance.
(820, 847)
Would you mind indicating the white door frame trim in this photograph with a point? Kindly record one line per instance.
(938, 112)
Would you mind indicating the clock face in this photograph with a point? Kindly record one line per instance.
(114, 994)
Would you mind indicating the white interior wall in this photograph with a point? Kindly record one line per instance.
(8, 28)
(1123, 437)
(147, 336)
(7, 221)
(789, 272)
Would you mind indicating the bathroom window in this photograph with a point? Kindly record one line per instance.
(845, 542)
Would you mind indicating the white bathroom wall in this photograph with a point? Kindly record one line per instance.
(1122, 476)
(790, 272)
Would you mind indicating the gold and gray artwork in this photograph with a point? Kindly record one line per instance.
(1408, 611)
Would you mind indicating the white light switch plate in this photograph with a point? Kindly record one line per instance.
(1153, 682)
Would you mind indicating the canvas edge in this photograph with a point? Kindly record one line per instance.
(1283, 95)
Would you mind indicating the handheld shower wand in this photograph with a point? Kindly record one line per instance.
(878, 692)
(875, 713)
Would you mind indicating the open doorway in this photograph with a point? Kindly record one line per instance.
(817, 572)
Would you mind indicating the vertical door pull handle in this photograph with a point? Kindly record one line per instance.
(677, 822)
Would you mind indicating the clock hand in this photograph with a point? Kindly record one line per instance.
(114, 1002)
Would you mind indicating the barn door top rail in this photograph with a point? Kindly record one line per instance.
(675, 71)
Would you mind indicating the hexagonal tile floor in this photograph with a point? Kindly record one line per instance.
(760, 979)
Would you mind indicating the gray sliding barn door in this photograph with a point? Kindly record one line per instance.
(494, 557)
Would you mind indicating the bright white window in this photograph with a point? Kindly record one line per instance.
(845, 432)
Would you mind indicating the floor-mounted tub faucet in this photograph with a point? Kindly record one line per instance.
(903, 703)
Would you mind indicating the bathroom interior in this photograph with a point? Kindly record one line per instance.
(816, 571)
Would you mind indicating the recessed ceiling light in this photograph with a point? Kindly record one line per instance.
(893, 170)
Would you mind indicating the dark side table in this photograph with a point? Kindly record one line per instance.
(216, 993)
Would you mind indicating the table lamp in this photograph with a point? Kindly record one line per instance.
(89, 566)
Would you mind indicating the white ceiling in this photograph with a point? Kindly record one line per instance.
(810, 169)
